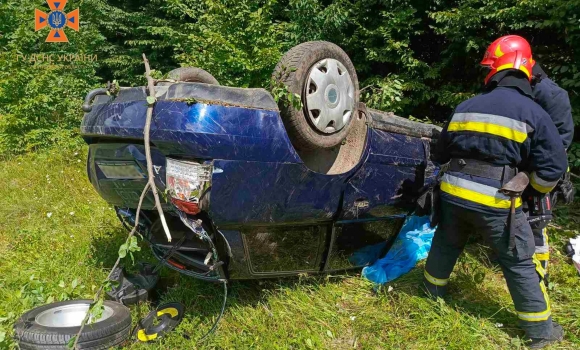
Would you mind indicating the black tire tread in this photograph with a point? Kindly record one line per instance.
(39, 336)
(98, 344)
(87, 335)
(192, 75)
(291, 60)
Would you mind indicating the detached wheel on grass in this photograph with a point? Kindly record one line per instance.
(51, 326)
(325, 78)
(192, 75)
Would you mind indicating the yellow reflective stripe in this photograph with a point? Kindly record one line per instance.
(540, 185)
(543, 256)
(477, 197)
(170, 310)
(535, 316)
(489, 128)
(491, 119)
(511, 65)
(539, 269)
(543, 288)
(543, 315)
(142, 336)
(436, 281)
(474, 186)
(543, 248)
(540, 188)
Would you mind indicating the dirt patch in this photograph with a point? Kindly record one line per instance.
(191, 101)
(344, 157)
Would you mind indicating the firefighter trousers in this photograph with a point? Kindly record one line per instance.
(522, 271)
(539, 227)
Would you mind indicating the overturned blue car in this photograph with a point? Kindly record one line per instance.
(302, 185)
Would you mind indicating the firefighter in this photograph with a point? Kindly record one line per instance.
(554, 100)
(488, 139)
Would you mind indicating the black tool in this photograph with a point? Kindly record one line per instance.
(159, 322)
(514, 189)
(569, 250)
(133, 288)
(539, 211)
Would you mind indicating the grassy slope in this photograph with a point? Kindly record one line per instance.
(41, 257)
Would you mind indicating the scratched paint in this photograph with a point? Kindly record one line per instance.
(261, 179)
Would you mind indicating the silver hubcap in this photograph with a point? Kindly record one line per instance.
(69, 316)
(329, 96)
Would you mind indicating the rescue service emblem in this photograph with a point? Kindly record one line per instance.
(57, 20)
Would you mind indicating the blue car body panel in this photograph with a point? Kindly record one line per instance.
(389, 172)
(198, 130)
(265, 191)
(255, 192)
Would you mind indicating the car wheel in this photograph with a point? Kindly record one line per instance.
(52, 326)
(324, 77)
(192, 75)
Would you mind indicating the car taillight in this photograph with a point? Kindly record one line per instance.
(186, 184)
(186, 207)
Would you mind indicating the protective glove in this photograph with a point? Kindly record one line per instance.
(564, 190)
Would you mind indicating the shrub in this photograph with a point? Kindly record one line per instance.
(413, 57)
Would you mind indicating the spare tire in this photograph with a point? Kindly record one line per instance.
(52, 326)
(192, 75)
(325, 78)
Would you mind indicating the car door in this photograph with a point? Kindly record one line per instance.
(377, 199)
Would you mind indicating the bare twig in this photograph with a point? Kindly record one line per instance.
(574, 175)
(149, 186)
(100, 290)
(367, 87)
(559, 227)
(151, 175)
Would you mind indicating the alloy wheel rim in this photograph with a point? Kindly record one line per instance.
(329, 98)
(70, 315)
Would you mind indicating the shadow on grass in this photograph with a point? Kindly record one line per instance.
(105, 249)
(466, 295)
(206, 297)
(202, 300)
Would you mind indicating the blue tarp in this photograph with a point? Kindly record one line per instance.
(412, 245)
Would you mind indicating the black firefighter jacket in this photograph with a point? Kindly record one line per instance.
(555, 101)
(503, 126)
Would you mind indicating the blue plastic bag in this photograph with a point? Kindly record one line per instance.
(412, 245)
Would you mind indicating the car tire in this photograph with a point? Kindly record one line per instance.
(294, 71)
(39, 328)
(192, 75)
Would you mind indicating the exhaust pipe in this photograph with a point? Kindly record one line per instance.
(87, 107)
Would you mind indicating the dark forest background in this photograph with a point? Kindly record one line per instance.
(414, 57)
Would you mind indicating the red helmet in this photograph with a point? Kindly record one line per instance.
(509, 52)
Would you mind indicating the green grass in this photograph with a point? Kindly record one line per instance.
(67, 254)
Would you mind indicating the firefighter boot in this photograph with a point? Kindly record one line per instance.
(556, 336)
